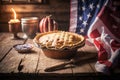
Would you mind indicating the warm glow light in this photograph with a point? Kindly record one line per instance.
(14, 13)
(15, 20)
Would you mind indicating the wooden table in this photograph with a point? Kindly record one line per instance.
(32, 65)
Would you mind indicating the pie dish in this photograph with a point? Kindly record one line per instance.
(59, 44)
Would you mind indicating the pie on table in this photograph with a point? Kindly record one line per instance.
(59, 40)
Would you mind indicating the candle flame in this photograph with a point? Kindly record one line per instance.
(15, 20)
(14, 13)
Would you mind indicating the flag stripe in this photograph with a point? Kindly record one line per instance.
(94, 19)
(73, 15)
(94, 33)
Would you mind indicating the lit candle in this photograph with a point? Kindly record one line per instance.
(15, 20)
(14, 25)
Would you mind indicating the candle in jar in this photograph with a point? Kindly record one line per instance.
(14, 20)
(14, 24)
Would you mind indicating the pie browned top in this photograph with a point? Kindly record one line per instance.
(59, 40)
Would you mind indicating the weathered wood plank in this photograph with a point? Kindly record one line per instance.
(91, 51)
(11, 62)
(6, 16)
(9, 58)
(45, 62)
(6, 43)
(53, 6)
(2, 47)
(84, 57)
(30, 60)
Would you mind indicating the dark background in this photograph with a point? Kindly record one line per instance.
(59, 9)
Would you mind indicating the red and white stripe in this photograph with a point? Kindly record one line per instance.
(106, 42)
(73, 16)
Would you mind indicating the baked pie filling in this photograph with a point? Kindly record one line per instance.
(59, 40)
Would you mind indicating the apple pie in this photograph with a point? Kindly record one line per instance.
(57, 40)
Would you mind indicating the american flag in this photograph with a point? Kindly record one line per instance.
(94, 19)
(83, 14)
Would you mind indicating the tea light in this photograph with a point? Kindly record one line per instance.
(14, 25)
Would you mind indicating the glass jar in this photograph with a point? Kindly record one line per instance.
(29, 26)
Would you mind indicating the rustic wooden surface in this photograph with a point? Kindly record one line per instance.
(35, 62)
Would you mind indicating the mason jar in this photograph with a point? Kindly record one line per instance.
(29, 26)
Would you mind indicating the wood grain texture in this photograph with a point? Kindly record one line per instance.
(11, 62)
(45, 62)
(35, 62)
(85, 57)
(6, 43)
(9, 58)
(30, 60)
(91, 52)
